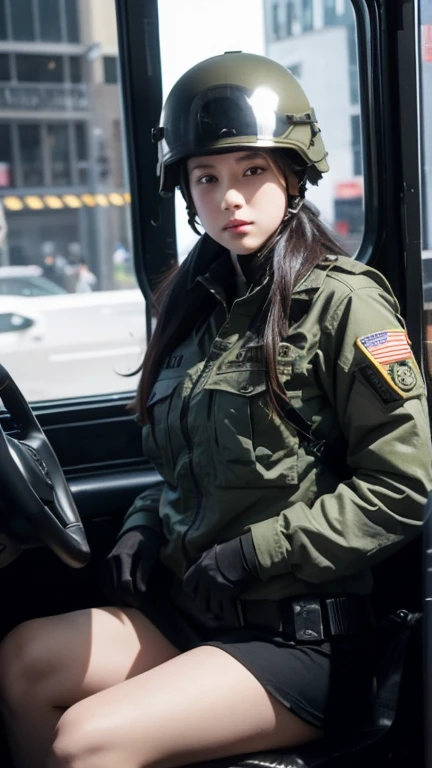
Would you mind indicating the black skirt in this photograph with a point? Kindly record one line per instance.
(327, 684)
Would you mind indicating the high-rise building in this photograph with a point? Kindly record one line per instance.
(62, 176)
(316, 41)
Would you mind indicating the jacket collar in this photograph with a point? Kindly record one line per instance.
(210, 265)
(314, 279)
(205, 253)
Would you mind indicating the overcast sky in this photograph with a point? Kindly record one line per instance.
(189, 32)
(193, 30)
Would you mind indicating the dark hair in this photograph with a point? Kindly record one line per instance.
(300, 243)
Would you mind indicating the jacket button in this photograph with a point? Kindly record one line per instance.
(246, 388)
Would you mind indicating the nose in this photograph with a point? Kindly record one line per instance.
(232, 200)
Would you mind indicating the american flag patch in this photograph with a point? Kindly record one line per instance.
(386, 347)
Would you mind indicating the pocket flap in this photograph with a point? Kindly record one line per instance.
(240, 382)
(163, 388)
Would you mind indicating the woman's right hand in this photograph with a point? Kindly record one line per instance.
(129, 565)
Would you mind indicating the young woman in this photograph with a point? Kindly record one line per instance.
(286, 415)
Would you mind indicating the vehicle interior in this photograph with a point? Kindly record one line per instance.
(88, 448)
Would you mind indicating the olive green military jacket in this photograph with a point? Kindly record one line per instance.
(229, 466)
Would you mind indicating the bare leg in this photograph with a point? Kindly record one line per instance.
(47, 665)
(199, 706)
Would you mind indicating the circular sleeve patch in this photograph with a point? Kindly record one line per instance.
(403, 375)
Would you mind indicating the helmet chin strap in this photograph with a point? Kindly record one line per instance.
(187, 197)
(295, 202)
(192, 219)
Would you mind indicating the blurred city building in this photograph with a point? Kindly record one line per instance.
(426, 106)
(62, 172)
(316, 41)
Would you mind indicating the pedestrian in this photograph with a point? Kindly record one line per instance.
(55, 266)
(121, 255)
(86, 279)
(283, 408)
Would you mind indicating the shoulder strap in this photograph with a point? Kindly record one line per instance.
(332, 456)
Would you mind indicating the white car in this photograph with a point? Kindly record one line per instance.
(71, 345)
(27, 281)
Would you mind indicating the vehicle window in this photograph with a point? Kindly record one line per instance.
(425, 51)
(72, 316)
(316, 41)
(11, 322)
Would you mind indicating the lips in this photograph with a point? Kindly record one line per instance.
(234, 223)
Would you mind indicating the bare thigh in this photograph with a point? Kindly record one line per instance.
(69, 657)
(200, 705)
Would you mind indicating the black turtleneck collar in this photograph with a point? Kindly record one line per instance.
(253, 271)
(209, 258)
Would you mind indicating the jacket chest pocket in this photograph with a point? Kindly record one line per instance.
(250, 444)
(159, 436)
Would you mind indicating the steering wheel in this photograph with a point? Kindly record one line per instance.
(33, 482)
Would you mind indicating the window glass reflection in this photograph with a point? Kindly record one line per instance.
(110, 69)
(72, 27)
(59, 158)
(39, 69)
(82, 152)
(3, 29)
(307, 15)
(330, 16)
(5, 73)
(31, 154)
(22, 20)
(49, 20)
(291, 17)
(75, 69)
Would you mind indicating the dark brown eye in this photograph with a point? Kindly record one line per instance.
(255, 170)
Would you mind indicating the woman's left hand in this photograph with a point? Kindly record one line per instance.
(221, 575)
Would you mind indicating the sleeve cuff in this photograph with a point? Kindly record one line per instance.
(249, 553)
(271, 559)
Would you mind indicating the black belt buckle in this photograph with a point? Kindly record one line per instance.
(308, 622)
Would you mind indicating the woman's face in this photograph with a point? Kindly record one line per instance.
(240, 197)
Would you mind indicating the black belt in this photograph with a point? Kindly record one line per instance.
(307, 619)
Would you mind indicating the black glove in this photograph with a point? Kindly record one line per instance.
(129, 565)
(221, 575)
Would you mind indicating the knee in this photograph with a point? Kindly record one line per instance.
(21, 662)
(81, 741)
(73, 746)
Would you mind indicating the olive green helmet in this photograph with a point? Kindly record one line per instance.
(235, 101)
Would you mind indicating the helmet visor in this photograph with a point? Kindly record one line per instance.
(222, 115)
